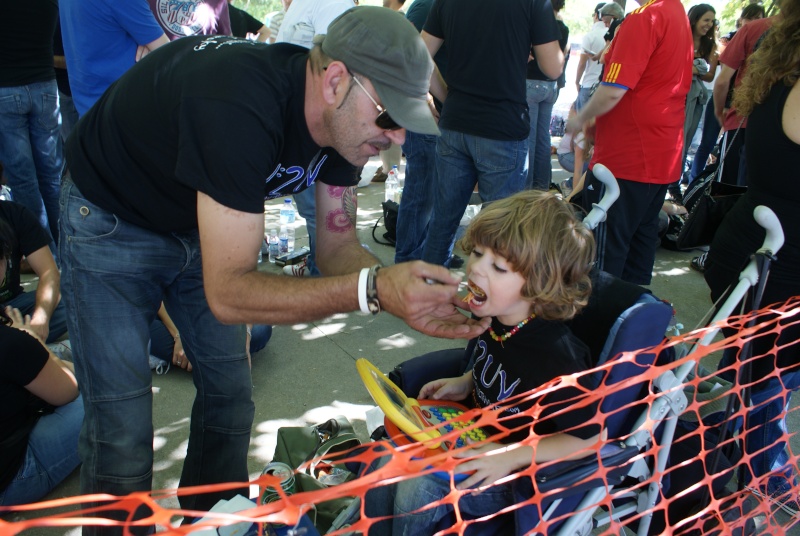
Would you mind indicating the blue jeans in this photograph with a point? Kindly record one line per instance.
(401, 499)
(29, 149)
(499, 168)
(162, 343)
(541, 95)
(584, 94)
(707, 141)
(26, 303)
(114, 277)
(307, 207)
(51, 456)
(417, 206)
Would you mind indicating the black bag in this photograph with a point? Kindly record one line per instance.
(300, 444)
(708, 208)
(390, 209)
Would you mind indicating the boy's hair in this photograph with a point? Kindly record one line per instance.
(539, 235)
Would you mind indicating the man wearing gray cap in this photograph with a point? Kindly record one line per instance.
(169, 173)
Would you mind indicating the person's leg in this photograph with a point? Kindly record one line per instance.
(501, 166)
(535, 92)
(69, 115)
(767, 436)
(260, 335)
(307, 207)
(540, 167)
(45, 135)
(51, 456)
(456, 176)
(644, 242)
(707, 142)
(16, 151)
(417, 206)
(223, 410)
(567, 161)
(111, 300)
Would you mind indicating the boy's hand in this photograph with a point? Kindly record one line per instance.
(455, 389)
(496, 461)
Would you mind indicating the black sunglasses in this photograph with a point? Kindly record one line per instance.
(384, 121)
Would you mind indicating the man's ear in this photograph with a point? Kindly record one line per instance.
(335, 82)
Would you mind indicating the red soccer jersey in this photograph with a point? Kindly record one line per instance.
(641, 138)
(735, 56)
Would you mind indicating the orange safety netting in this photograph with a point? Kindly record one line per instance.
(723, 513)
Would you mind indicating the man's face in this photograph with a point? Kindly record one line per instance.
(352, 126)
(607, 20)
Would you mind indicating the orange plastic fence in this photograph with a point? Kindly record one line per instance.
(403, 463)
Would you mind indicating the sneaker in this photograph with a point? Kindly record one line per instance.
(62, 350)
(380, 176)
(699, 263)
(782, 499)
(296, 270)
(159, 365)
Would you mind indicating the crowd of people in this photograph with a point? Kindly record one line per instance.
(143, 219)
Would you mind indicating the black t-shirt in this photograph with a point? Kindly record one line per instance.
(539, 352)
(29, 237)
(534, 73)
(243, 22)
(219, 115)
(21, 360)
(26, 42)
(488, 44)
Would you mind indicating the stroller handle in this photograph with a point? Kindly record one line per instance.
(767, 219)
(598, 213)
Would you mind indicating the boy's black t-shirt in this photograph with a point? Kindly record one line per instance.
(539, 352)
(29, 237)
(219, 115)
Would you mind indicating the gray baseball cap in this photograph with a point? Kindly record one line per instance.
(612, 9)
(382, 45)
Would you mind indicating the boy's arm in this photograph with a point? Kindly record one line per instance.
(500, 460)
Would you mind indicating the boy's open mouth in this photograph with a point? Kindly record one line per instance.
(476, 295)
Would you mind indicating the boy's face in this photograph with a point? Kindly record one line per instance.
(496, 287)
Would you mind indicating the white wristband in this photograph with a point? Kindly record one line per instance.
(362, 290)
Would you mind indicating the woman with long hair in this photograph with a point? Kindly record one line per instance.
(702, 19)
(770, 97)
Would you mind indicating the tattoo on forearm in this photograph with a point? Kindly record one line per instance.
(343, 219)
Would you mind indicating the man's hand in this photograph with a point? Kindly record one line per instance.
(424, 296)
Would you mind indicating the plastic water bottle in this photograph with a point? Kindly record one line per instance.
(274, 246)
(283, 241)
(401, 182)
(287, 212)
(290, 236)
(390, 186)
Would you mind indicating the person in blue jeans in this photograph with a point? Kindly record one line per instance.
(485, 120)
(541, 95)
(29, 111)
(41, 410)
(162, 203)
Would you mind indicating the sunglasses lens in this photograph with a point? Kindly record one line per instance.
(385, 122)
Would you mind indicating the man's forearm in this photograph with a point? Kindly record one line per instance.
(47, 297)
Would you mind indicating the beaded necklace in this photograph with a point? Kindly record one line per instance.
(511, 332)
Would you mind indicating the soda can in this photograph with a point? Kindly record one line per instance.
(286, 474)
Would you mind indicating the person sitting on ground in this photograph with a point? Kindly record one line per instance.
(29, 239)
(166, 346)
(528, 269)
(40, 409)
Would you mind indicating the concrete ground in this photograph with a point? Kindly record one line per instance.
(306, 373)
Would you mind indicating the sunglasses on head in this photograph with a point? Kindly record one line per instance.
(384, 121)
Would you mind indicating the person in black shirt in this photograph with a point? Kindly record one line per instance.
(169, 173)
(243, 24)
(528, 271)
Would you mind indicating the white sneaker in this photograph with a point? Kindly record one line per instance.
(297, 270)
